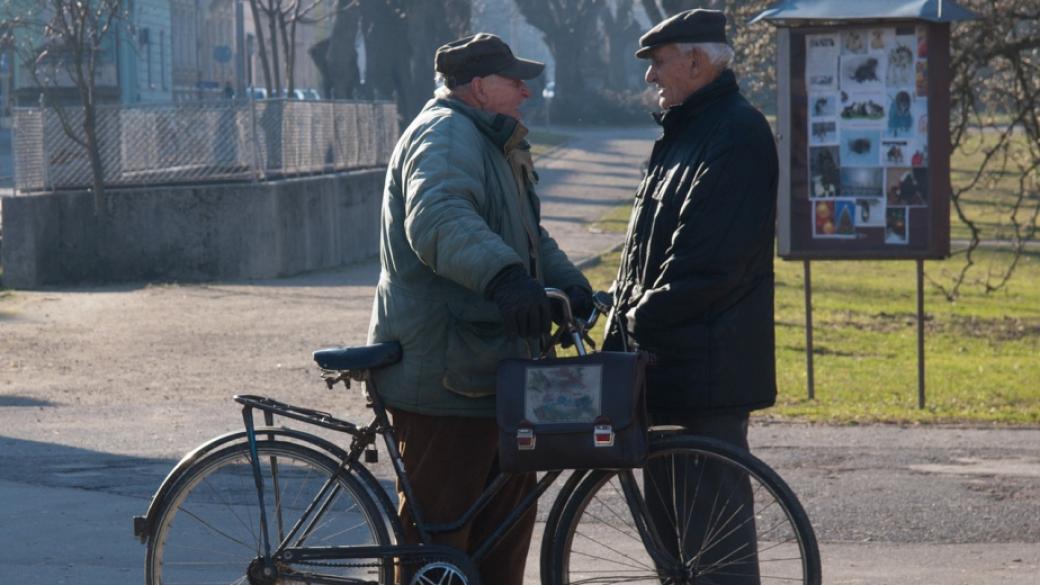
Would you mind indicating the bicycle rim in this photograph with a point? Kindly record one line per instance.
(720, 516)
(209, 529)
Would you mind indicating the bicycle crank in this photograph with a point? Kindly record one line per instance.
(439, 573)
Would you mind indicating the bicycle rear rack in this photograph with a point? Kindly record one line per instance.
(307, 415)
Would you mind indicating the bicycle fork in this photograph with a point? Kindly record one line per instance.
(645, 525)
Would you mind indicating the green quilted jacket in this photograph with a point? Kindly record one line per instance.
(458, 207)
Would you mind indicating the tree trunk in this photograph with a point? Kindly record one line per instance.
(97, 168)
(272, 25)
(261, 46)
(288, 49)
(340, 73)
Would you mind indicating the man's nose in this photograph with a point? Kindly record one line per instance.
(650, 77)
(524, 90)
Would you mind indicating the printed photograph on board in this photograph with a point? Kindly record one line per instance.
(823, 105)
(824, 171)
(870, 213)
(921, 78)
(823, 132)
(922, 43)
(895, 153)
(862, 72)
(845, 218)
(863, 109)
(920, 110)
(860, 147)
(821, 62)
(896, 231)
(900, 71)
(919, 157)
(862, 182)
(823, 214)
(880, 39)
(900, 114)
(854, 42)
(906, 186)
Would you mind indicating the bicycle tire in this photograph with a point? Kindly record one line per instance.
(207, 530)
(598, 539)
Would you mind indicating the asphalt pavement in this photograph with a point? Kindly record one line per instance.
(103, 388)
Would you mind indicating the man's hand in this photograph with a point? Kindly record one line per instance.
(581, 301)
(522, 302)
(581, 304)
(630, 323)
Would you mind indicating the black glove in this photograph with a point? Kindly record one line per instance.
(522, 302)
(581, 304)
(581, 301)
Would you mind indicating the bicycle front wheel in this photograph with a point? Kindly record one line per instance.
(209, 530)
(699, 512)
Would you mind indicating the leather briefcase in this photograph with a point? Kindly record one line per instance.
(586, 412)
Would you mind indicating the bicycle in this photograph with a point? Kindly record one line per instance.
(272, 505)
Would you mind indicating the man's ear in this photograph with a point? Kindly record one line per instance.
(696, 61)
(476, 89)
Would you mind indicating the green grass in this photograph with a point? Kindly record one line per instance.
(990, 202)
(981, 352)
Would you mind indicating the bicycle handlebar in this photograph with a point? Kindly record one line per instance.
(602, 303)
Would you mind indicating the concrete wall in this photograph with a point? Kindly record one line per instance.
(233, 231)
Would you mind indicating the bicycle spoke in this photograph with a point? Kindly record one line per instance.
(231, 508)
(718, 516)
(217, 531)
(637, 564)
(220, 504)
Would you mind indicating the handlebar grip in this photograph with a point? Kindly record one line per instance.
(603, 302)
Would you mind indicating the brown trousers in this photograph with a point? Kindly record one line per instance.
(449, 461)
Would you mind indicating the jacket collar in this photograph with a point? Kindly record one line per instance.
(506, 132)
(723, 85)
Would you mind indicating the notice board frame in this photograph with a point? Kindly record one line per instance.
(795, 241)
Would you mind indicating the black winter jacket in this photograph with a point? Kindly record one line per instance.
(696, 273)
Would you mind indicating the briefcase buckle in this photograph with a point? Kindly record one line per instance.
(525, 439)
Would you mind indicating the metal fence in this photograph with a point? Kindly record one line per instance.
(151, 144)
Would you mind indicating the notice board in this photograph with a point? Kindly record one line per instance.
(863, 129)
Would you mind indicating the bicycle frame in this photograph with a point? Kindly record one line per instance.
(362, 439)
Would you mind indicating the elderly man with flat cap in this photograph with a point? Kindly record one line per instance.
(464, 264)
(695, 285)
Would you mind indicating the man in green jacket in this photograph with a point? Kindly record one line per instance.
(464, 265)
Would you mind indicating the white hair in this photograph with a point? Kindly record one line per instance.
(719, 54)
(443, 91)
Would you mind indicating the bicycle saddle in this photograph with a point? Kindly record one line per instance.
(363, 357)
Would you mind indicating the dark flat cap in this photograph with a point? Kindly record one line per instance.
(480, 55)
(692, 26)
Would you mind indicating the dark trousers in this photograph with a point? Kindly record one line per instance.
(702, 509)
(449, 461)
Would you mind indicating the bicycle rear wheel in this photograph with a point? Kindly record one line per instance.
(208, 530)
(700, 512)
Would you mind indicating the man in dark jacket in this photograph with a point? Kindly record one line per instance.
(695, 285)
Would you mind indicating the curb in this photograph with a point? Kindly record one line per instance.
(595, 260)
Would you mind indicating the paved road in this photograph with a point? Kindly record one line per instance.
(101, 389)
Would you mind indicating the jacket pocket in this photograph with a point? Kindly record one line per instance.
(476, 343)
